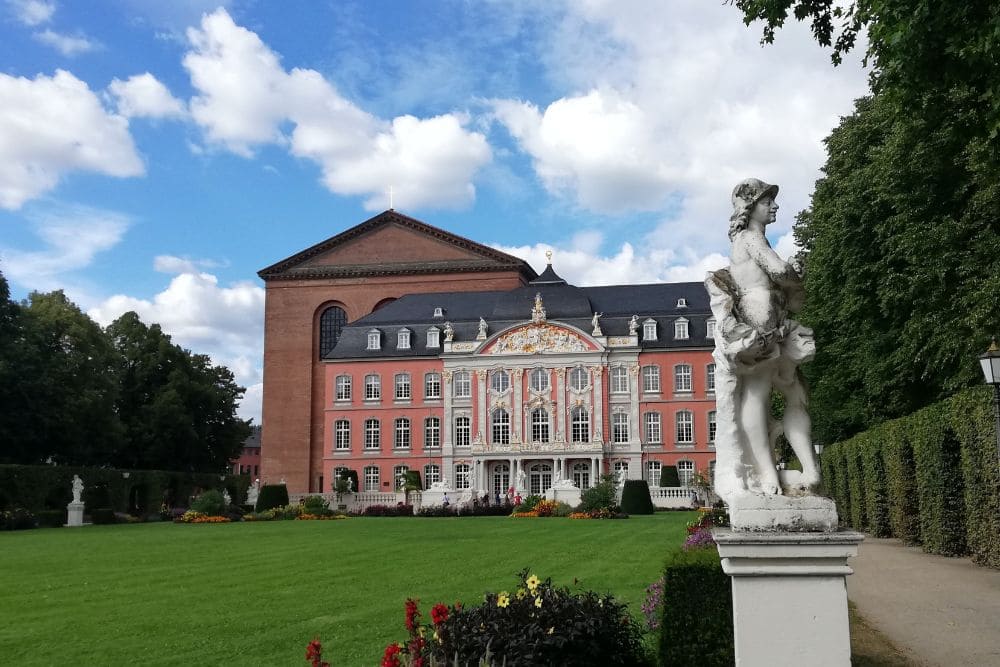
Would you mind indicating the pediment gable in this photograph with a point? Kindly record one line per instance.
(539, 338)
(392, 243)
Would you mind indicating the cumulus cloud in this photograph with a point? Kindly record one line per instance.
(53, 125)
(68, 45)
(72, 235)
(224, 322)
(143, 95)
(246, 98)
(32, 12)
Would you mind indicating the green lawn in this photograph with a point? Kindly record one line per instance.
(256, 593)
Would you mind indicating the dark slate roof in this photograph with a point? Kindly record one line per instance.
(563, 303)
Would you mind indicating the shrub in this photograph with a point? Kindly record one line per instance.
(975, 425)
(51, 518)
(388, 510)
(271, 496)
(601, 496)
(635, 497)
(17, 518)
(316, 504)
(697, 622)
(210, 502)
(437, 511)
(939, 482)
(485, 510)
(528, 504)
(669, 476)
(873, 475)
(536, 624)
(340, 483)
(102, 516)
(412, 481)
(901, 482)
(856, 484)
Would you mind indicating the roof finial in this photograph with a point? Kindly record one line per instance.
(548, 257)
(390, 199)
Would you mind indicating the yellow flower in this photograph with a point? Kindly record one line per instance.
(438, 638)
(538, 602)
(552, 629)
(503, 599)
(521, 593)
(532, 582)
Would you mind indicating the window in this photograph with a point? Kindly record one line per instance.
(685, 428)
(399, 474)
(539, 379)
(432, 433)
(403, 339)
(373, 436)
(461, 383)
(685, 471)
(653, 433)
(500, 381)
(682, 302)
(680, 329)
(682, 378)
(580, 427)
(432, 386)
(619, 380)
(539, 425)
(438, 311)
(463, 431)
(331, 323)
(374, 340)
(710, 328)
(578, 378)
(621, 470)
(653, 470)
(340, 472)
(343, 387)
(711, 427)
(649, 329)
(342, 434)
(619, 427)
(402, 386)
(710, 378)
(501, 427)
(373, 388)
(371, 478)
(433, 337)
(651, 379)
(581, 475)
(463, 476)
(432, 474)
(402, 440)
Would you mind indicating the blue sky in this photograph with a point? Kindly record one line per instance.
(155, 155)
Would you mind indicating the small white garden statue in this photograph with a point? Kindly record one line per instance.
(226, 498)
(77, 489)
(253, 491)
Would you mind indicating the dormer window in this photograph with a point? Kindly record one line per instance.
(680, 329)
(438, 311)
(710, 328)
(374, 340)
(682, 303)
(433, 337)
(649, 329)
(403, 339)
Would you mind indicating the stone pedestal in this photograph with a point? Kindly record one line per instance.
(74, 513)
(568, 494)
(789, 596)
(434, 497)
(785, 513)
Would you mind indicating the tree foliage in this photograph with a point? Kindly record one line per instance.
(73, 393)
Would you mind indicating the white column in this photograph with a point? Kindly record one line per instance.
(483, 424)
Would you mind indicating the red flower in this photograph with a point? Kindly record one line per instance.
(314, 651)
(412, 616)
(439, 613)
(391, 656)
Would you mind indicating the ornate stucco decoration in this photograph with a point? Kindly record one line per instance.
(538, 312)
(535, 338)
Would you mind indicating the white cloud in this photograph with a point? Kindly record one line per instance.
(73, 235)
(53, 125)
(68, 45)
(173, 265)
(224, 322)
(143, 95)
(245, 98)
(33, 12)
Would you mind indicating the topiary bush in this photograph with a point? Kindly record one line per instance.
(697, 623)
(669, 476)
(271, 496)
(636, 498)
(210, 503)
(901, 481)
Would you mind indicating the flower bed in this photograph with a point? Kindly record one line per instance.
(603, 513)
(197, 517)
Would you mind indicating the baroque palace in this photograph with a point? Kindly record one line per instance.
(397, 346)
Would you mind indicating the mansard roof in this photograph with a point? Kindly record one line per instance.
(393, 244)
(502, 309)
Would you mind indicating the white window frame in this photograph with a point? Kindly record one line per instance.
(373, 387)
(579, 424)
(682, 302)
(712, 428)
(374, 339)
(575, 376)
(372, 477)
(461, 384)
(500, 381)
(620, 469)
(682, 379)
(463, 476)
(432, 474)
(433, 337)
(500, 427)
(685, 471)
(342, 435)
(619, 380)
(653, 426)
(684, 427)
(540, 425)
(710, 378)
(651, 379)
(710, 328)
(619, 428)
(403, 387)
(581, 474)
(432, 433)
(538, 380)
(343, 388)
(654, 472)
(681, 329)
(373, 434)
(649, 329)
(432, 386)
(403, 339)
(401, 433)
(463, 431)
(399, 474)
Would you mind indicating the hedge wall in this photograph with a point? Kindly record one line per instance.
(39, 488)
(931, 478)
(635, 497)
(697, 623)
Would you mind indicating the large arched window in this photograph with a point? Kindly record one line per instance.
(580, 431)
(331, 323)
(501, 427)
(539, 425)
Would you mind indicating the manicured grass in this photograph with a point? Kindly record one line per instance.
(256, 593)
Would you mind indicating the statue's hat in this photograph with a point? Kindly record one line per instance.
(749, 191)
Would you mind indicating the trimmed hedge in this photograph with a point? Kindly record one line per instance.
(669, 476)
(697, 625)
(271, 496)
(931, 478)
(636, 498)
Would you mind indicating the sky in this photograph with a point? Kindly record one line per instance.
(155, 155)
